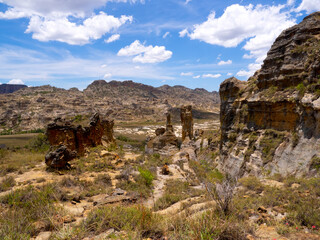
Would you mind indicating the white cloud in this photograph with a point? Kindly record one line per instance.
(309, 6)
(186, 74)
(290, 2)
(145, 54)
(257, 25)
(224, 62)
(187, 1)
(229, 74)
(183, 33)
(196, 77)
(50, 21)
(165, 35)
(112, 38)
(107, 75)
(63, 30)
(209, 75)
(253, 67)
(38, 66)
(50, 8)
(16, 81)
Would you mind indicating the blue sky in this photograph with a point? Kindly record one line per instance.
(194, 43)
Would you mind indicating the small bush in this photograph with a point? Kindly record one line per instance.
(147, 176)
(103, 179)
(252, 183)
(39, 143)
(301, 89)
(315, 163)
(7, 183)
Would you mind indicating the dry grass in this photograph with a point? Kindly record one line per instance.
(25, 208)
(20, 160)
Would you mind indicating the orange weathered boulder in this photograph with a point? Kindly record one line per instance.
(78, 138)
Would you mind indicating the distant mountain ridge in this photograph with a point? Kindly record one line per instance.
(10, 88)
(34, 107)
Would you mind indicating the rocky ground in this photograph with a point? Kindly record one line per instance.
(121, 193)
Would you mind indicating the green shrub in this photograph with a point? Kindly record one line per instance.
(315, 163)
(147, 176)
(39, 143)
(301, 89)
(252, 183)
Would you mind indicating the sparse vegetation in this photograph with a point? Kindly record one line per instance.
(269, 143)
(26, 208)
(315, 163)
(7, 183)
(175, 191)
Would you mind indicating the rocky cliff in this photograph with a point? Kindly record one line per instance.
(271, 123)
(34, 107)
(10, 88)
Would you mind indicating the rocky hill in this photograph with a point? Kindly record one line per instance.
(34, 107)
(10, 88)
(271, 123)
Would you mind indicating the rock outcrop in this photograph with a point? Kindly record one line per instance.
(165, 137)
(186, 122)
(78, 138)
(271, 123)
(10, 88)
(60, 157)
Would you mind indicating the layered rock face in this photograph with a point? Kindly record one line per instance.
(271, 123)
(77, 138)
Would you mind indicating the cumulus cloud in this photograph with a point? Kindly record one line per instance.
(257, 26)
(196, 77)
(63, 30)
(112, 38)
(224, 62)
(77, 8)
(209, 75)
(145, 54)
(16, 81)
(107, 75)
(309, 6)
(186, 74)
(251, 70)
(50, 21)
(229, 74)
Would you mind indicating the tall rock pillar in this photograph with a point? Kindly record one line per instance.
(186, 122)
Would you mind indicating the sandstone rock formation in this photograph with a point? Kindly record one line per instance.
(186, 122)
(35, 107)
(60, 158)
(164, 138)
(271, 123)
(77, 138)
